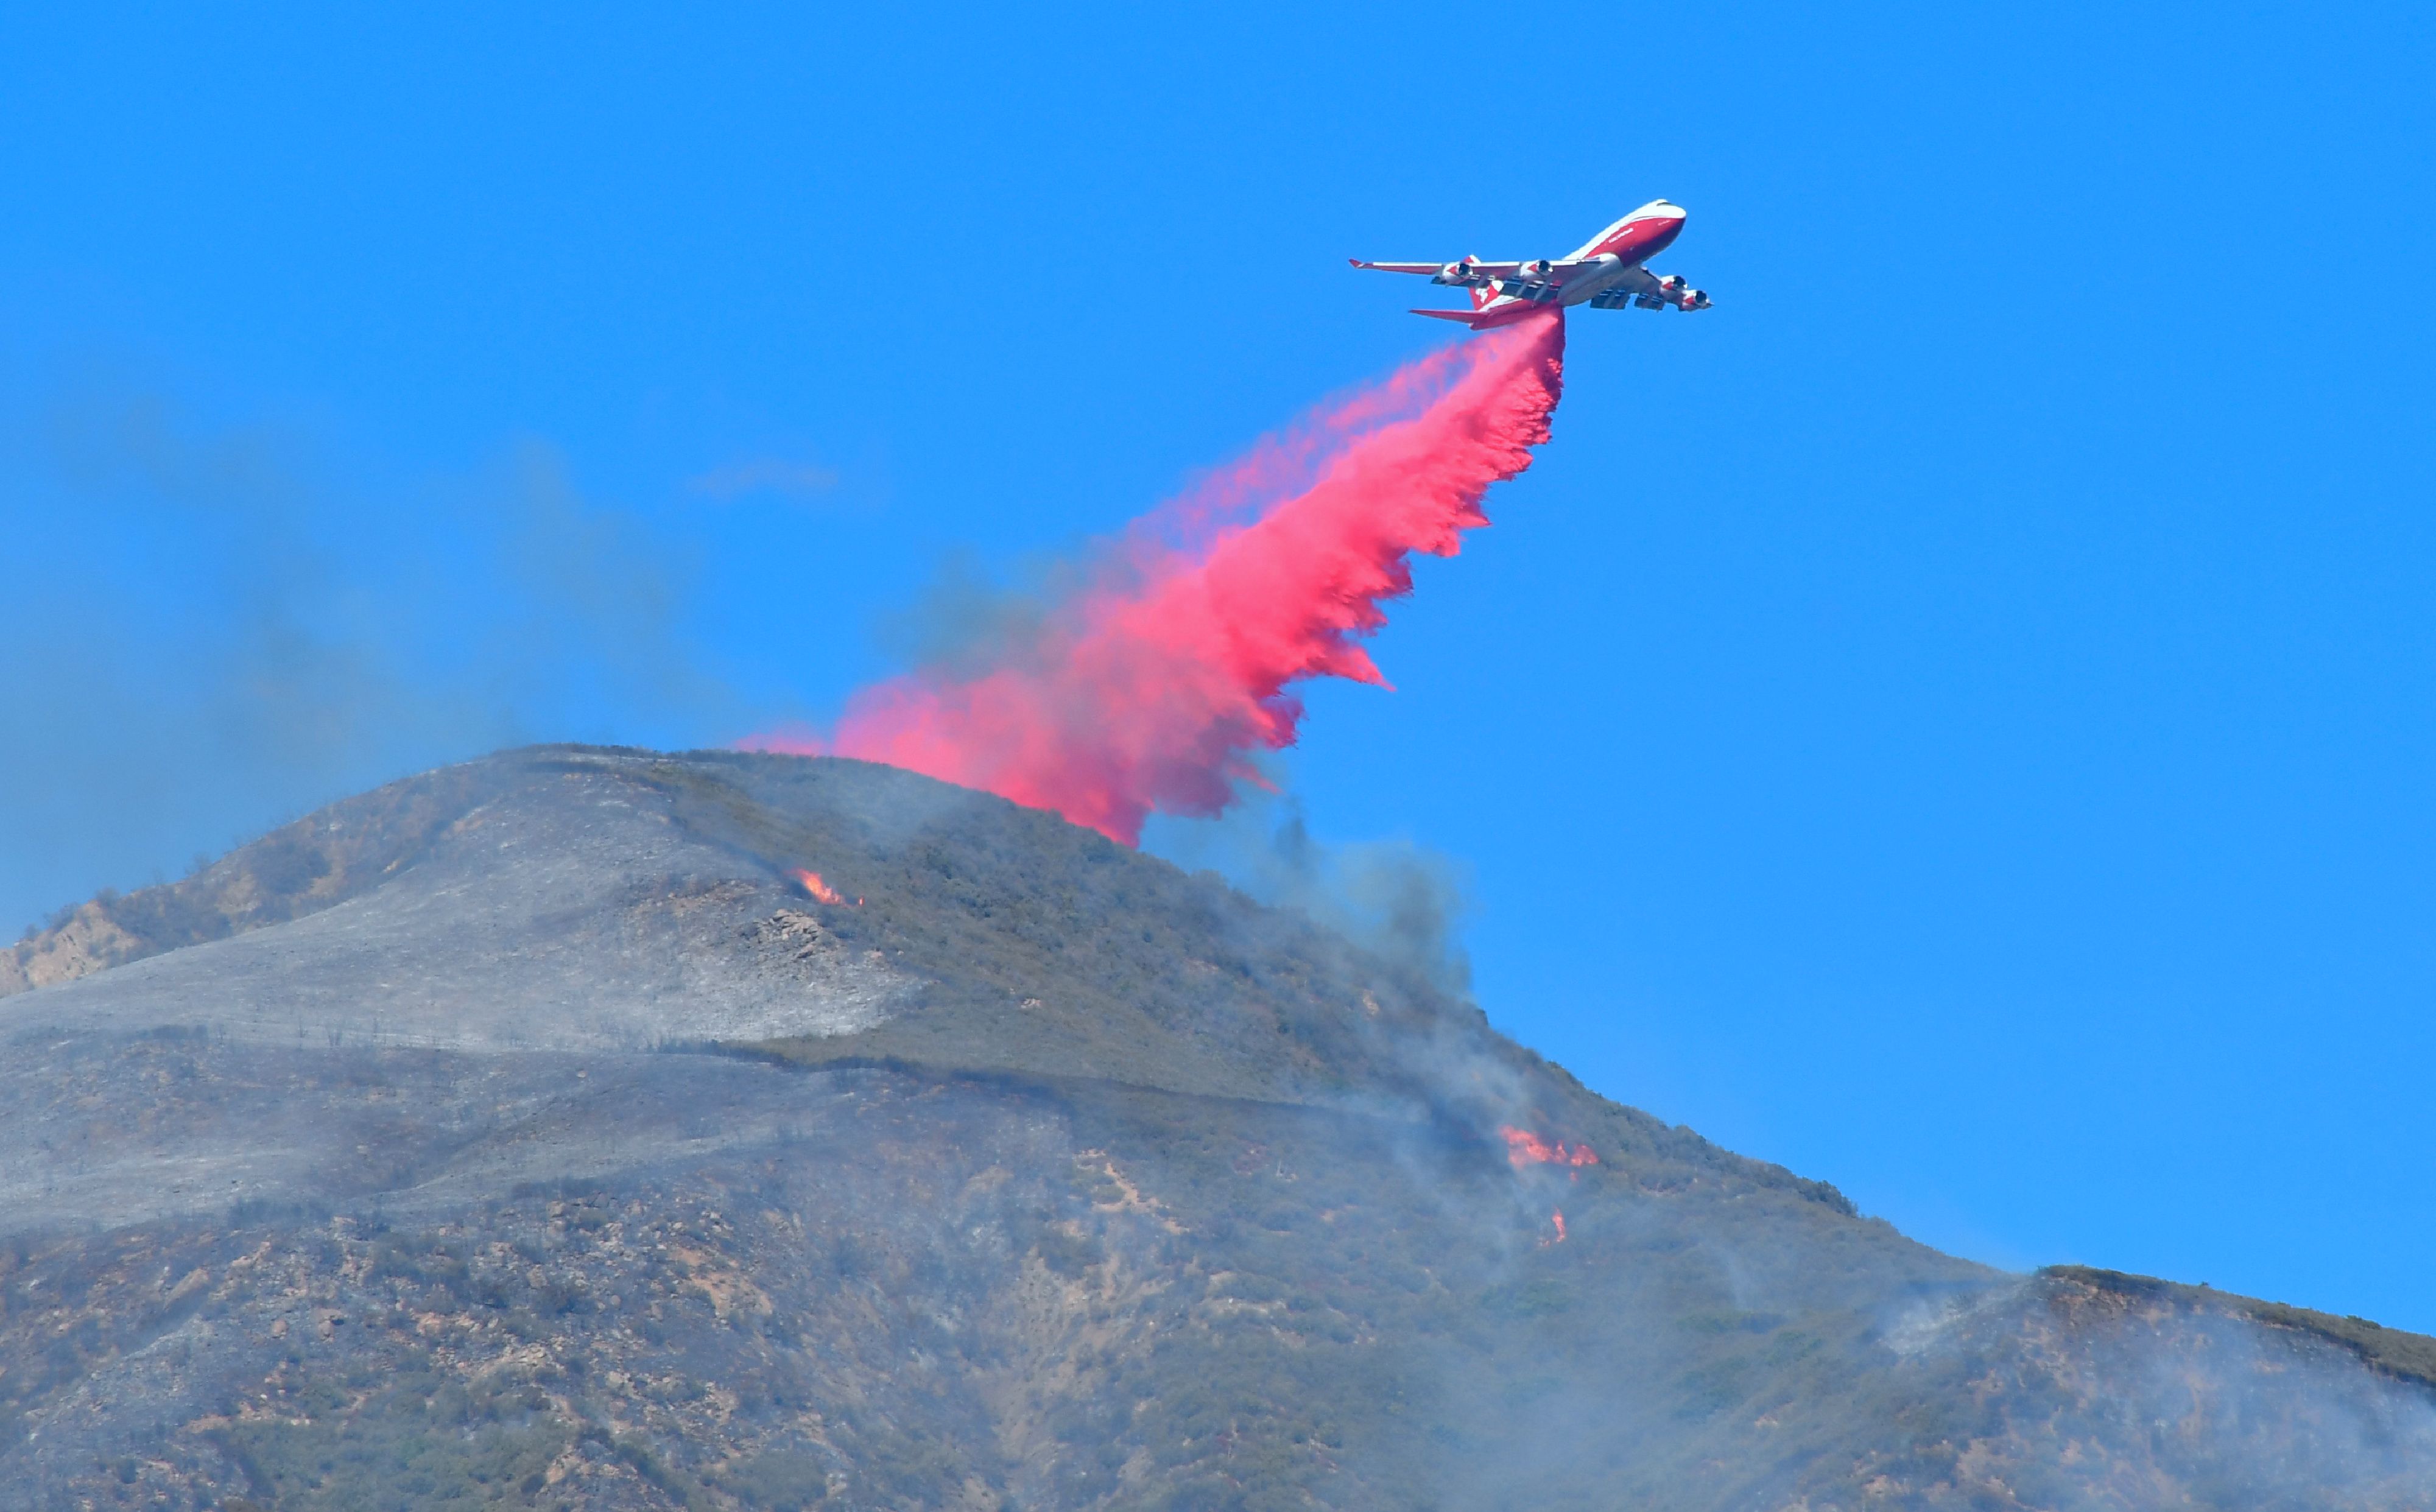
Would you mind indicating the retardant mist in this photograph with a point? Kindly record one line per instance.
(1148, 687)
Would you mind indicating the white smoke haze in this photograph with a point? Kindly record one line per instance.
(2206, 1390)
(1398, 900)
(967, 618)
(211, 629)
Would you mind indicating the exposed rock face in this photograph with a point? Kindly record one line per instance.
(289, 873)
(83, 943)
(525, 1135)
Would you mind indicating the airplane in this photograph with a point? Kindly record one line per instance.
(1606, 274)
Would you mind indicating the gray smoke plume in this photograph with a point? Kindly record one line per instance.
(1399, 900)
(210, 628)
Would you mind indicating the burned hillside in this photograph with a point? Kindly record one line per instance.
(532, 1134)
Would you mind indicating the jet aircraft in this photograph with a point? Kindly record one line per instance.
(1606, 274)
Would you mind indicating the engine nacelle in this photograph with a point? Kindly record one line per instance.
(1454, 273)
(1538, 270)
(1678, 292)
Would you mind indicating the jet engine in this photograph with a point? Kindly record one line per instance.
(1454, 273)
(1693, 299)
(1538, 270)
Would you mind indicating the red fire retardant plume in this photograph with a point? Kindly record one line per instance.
(1148, 688)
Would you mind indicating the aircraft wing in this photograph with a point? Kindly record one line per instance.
(1480, 269)
(1546, 271)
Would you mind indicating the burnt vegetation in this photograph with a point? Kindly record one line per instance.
(1139, 1195)
(948, 1283)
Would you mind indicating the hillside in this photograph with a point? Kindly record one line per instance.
(526, 1134)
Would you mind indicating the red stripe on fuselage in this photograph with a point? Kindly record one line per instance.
(1637, 241)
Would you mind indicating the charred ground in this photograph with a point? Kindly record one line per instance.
(522, 1136)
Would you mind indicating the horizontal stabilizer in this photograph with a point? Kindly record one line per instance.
(1465, 316)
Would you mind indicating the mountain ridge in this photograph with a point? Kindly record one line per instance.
(528, 1133)
(331, 856)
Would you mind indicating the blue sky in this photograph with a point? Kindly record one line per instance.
(1956, 718)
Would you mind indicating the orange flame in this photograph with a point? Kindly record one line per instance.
(1524, 1148)
(811, 882)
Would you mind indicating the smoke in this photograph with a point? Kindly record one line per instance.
(209, 628)
(1401, 901)
(1150, 684)
(2191, 1398)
